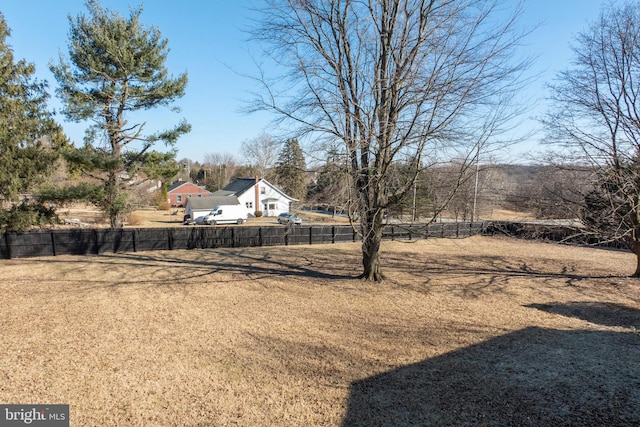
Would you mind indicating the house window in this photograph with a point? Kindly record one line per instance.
(249, 205)
(179, 198)
(199, 195)
(272, 206)
(263, 190)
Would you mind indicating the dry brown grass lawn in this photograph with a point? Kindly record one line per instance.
(173, 217)
(480, 331)
(166, 217)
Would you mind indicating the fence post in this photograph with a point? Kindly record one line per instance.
(310, 234)
(6, 239)
(117, 240)
(170, 238)
(333, 234)
(96, 244)
(53, 243)
(260, 236)
(133, 238)
(233, 237)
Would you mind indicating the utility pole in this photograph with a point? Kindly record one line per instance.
(475, 187)
(413, 208)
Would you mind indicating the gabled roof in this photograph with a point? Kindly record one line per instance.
(240, 186)
(176, 184)
(211, 202)
(223, 193)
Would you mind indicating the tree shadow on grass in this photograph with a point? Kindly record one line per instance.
(473, 276)
(531, 377)
(252, 264)
(257, 264)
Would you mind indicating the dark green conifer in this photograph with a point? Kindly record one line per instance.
(116, 66)
(291, 170)
(30, 140)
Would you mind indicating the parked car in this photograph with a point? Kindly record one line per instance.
(283, 218)
(289, 218)
(200, 221)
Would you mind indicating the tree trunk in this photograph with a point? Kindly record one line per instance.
(112, 202)
(636, 250)
(371, 259)
(115, 220)
(371, 238)
(635, 234)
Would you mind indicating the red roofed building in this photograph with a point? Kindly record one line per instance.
(180, 191)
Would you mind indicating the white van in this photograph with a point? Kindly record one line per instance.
(231, 214)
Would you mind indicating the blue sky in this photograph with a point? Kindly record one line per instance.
(207, 41)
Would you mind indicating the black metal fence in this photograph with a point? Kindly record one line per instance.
(97, 241)
(567, 234)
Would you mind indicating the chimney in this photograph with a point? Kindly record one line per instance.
(257, 205)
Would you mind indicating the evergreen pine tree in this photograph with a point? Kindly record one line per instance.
(117, 66)
(291, 170)
(30, 140)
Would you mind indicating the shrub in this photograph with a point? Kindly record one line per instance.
(27, 216)
(258, 214)
(135, 219)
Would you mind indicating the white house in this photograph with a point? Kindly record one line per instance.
(201, 206)
(258, 195)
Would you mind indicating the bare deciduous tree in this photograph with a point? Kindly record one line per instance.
(331, 189)
(218, 168)
(394, 81)
(262, 152)
(597, 118)
(550, 192)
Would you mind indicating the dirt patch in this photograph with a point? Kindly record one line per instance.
(480, 331)
(80, 215)
(505, 215)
